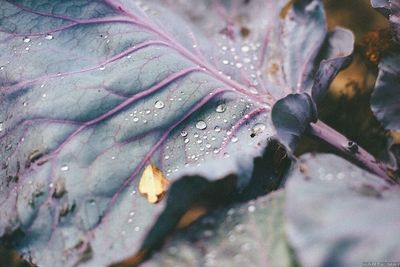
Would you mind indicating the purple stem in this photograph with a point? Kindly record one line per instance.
(325, 133)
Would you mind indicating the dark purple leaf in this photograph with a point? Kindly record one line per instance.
(385, 101)
(93, 91)
(291, 116)
(249, 234)
(337, 55)
(341, 215)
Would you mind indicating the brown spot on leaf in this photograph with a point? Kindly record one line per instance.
(153, 184)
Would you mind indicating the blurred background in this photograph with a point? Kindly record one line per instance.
(347, 106)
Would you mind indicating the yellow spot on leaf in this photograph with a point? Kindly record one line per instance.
(153, 184)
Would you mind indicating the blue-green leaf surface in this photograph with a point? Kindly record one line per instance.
(93, 91)
(248, 234)
(340, 215)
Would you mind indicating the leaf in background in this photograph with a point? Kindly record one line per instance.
(292, 114)
(341, 215)
(385, 101)
(391, 10)
(337, 55)
(248, 234)
(91, 91)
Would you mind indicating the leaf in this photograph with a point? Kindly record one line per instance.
(391, 9)
(337, 55)
(91, 91)
(341, 215)
(247, 234)
(291, 116)
(385, 102)
(153, 184)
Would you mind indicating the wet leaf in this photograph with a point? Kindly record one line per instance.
(341, 215)
(91, 91)
(247, 234)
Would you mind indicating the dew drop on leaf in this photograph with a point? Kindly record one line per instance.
(64, 168)
(49, 37)
(217, 129)
(153, 184)
(201, 125)
(251, 208)
(221, 108)
(159, 104)
(234, 139)
(245, 49)
(26, 39)
(184, 133)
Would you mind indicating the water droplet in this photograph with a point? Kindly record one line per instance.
(201, 125)
(221, 108)
(147, 111)
(159, 104)
(135, 119)
(26, 39)
(25, 104)
(238, 65)
(245, 48)
(239, 228)
(137, 228)
(234, 139)
(102, 67)
(184, 133)
(217, 129)
(186, 140)
(166, 157)
(64, 168)
(251, 208)
(49, 37)
(225, 62)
